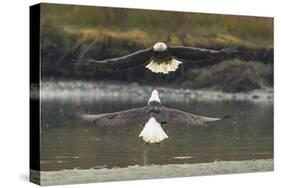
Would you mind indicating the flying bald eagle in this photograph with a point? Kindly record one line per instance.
(151, 116)
(160, 58)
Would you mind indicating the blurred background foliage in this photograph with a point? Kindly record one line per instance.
(147, 27)
(68, 31)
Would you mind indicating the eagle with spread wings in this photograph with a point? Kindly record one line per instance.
(152, 116)
(160, 58)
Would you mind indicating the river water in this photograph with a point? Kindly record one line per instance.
(68, 142)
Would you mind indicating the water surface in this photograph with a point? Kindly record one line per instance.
(68, 142)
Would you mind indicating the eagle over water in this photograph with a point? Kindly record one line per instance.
(152, 117)
(160, 58)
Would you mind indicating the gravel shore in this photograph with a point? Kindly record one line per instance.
(151, 171)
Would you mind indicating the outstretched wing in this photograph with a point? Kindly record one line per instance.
(200, 56)
(121, 63)
(134, 116)
(173, 116)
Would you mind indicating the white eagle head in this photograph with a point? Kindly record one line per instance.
(154, 97)
(160, 47)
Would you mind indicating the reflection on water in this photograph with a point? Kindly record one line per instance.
(68, 142)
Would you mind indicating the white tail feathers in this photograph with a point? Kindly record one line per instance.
(164, 67)
(153, 132)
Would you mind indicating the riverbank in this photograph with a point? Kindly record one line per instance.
(70, 90)
(151, 171)
(68, 38)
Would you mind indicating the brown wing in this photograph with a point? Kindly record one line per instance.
(200, 56)
(173, 116)
(134, 116)
(121, 63)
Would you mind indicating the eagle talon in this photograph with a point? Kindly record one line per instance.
(146, 144)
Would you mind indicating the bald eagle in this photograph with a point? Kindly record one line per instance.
(151, 116)
(160, 58)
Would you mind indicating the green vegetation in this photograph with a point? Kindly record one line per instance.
(145, 27)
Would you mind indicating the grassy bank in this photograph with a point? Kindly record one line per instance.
(150, 26)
